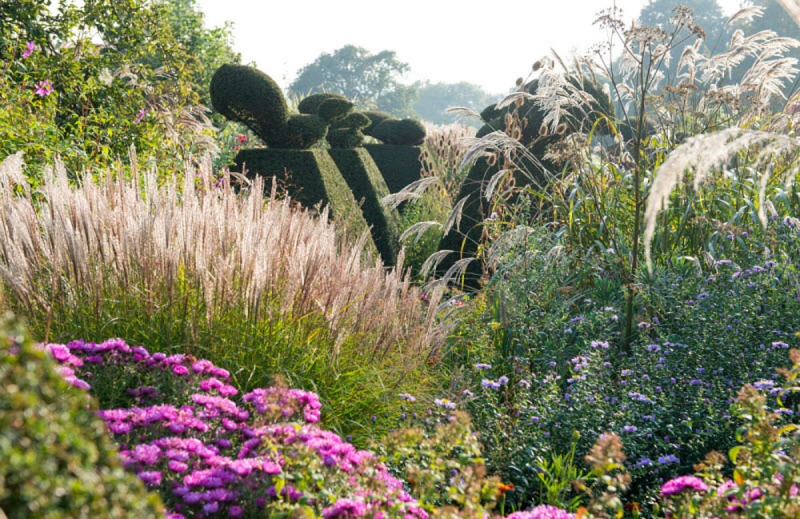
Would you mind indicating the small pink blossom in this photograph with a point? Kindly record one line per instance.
(140, 116)
(29, 48)
(44, 88)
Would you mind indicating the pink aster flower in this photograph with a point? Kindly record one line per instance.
(679, 484)
(542, 512)
(44, 88)
(347, 508)
(140, 116)
(29, 48)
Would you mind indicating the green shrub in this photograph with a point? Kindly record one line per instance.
(403, 132)
(303, 131)
(367, 184)
(357, 120)
(56, 459)
(375, 118)
(399, 165)
(345, 138)
(334, 109)
(247, 95)
(310, 104)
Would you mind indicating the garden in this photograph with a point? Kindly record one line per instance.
(219, 300)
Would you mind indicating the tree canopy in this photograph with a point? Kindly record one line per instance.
(86, 81)
(371, 81)
(435, 98)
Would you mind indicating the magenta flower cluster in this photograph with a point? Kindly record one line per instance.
(679, 484)
(212, 456)
(543, 512)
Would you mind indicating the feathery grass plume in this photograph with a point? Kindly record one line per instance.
(492, 185)
(418, 230)
(441, 157)
(207, 261)
(746, 14)
(701, 155)
(455, 216)
(433, 261)
(463, 111)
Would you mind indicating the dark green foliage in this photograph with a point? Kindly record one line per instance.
(357, 120)
(490, 113)
(399, 165)
(303, 131)
(476, 209)
(247, 95)
(345, 138)
(310, 104)
(405, 132)
(375, 118)
(310, 177)
(362, 175)
(56, 459)
(334, 109)
(492, 126)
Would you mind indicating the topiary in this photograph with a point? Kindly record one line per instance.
(375, 118)
(345, 138)
(303, 131)
(405, 132)
(57, 458)
(333, 110)
(247, 95)
(357, 120)
(310, 104)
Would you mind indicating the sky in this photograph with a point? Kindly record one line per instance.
(441, 40)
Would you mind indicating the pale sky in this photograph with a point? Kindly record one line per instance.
(442, 40)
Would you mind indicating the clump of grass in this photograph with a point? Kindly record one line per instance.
(429, 201)
(252, 284)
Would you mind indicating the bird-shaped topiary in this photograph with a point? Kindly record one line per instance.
(403, 132)
(247, 95)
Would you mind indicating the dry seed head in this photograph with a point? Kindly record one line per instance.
(561, 129)
(543, 130)
(519, 81)
(537, 65)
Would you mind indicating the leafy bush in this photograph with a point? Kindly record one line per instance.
(311, 104)
(401, 132)
(375, 118)
(88, 81)
(57, 460)
(558, 365)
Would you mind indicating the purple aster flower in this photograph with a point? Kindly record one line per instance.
(407, 397)
(235, 511)
(630, 429)
(679, 484)
(599, 344)
(151, 478)
(483, 366)
(443, 402)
